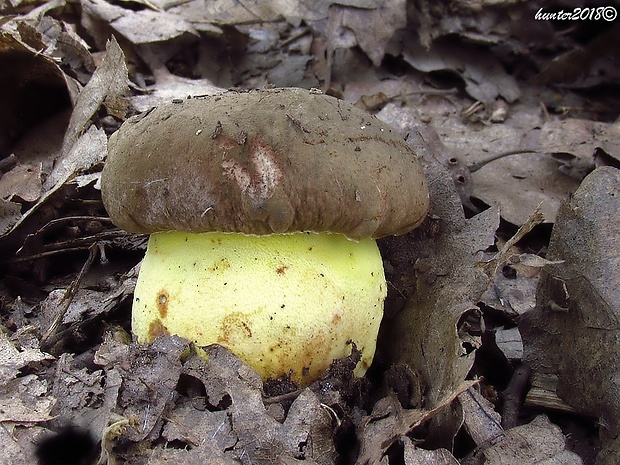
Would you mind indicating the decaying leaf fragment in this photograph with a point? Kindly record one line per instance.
(435, 333)
(23, 399)
(305, 434)
(575, 328)
(211, 403)
(389, 421)
(539, 441)
(485, 79)
(13, 359)
(142, 26)
(32, 85)
(431, 333)
(84, 145)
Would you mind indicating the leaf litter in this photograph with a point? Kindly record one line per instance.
(462, 292)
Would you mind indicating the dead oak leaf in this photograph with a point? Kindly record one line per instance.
(305, 434)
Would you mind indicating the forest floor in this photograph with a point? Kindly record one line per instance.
(499, 339)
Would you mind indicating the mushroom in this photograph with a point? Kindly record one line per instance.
(263, 209)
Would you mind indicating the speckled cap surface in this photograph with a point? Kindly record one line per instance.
(263, 162)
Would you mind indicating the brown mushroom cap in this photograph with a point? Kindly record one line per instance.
(263, 162)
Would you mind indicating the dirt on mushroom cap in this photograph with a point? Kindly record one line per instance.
(263, 162)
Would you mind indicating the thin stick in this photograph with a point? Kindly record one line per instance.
(49, 338)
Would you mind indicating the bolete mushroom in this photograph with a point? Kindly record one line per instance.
(263, 207)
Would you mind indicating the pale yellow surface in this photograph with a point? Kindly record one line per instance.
(282, 303)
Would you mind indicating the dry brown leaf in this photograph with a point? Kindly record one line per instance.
(533, 179)
(389, 421)
(481, 421)
(24, 400)
(84, 146)
(236, 425)
(204, 453)
(509, 341)
(417, 456)
(17, 444)
(12, 360)
(579, 137)
(10, 213)
(23, 181)
(207, 435)
(574, 330)
(230, 12)
(108, 83)
(563, 155)
(194, 426)
(370, 29)
(485, 78)
(149, 382)
(587, 66)
(32, 85)
(512, 295)
(487, 22)
(81, 396)
(538, 442)
(139, 27)
(304, 434)
(64, 44)
(431, 334)
(88, 150)
(491, 267)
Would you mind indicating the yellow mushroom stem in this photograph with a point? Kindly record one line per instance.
(284, 304)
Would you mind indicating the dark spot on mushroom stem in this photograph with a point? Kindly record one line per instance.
(282, 269)
(248, 330)
(162, 303)
(157, 329)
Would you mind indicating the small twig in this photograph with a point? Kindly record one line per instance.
(491, 266)
(476, 166)
(72, 245)
(65, 219)
(332, 413)
(282, 397)
(452, 90)
(44, 254)
(513, 396)
(401, 293)
(49, 338)
(295, 37)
